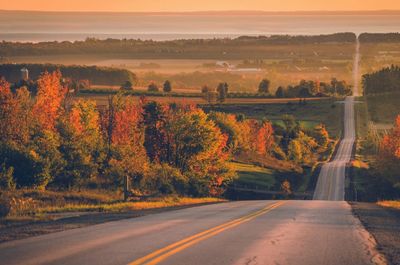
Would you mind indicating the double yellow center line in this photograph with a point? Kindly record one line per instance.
(163, 253)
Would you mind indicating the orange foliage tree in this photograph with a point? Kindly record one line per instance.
(123, 130)
(261, 136)
(8, 120)
(50, 95)
(265, 138)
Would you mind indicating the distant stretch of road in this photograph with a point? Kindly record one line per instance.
(331, 180)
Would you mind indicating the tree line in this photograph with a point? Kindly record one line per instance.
(50, 140)
(173, 48)
(379, 37)
(382, 81)
(305, 89)
(93, 74)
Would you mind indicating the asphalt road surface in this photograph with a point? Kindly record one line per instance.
(331, 180)
(246, 232)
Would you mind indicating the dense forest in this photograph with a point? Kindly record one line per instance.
(94, 74)
(382, 81)
(158, 148)
(193, 48)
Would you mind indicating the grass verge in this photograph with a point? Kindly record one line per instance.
(129, 206)
(390, 204)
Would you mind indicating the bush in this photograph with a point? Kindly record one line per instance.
(6, 177)
(165, 179)
(5, 206)
(152, 88)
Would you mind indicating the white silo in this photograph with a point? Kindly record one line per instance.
(24, 74)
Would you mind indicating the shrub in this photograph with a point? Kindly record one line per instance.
(152, 88)
(165, 179)
(5, 206)
(6, 177)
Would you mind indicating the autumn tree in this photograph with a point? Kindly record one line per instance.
(321, 135)
(301, 148)
(8, 120)
(81, 144)
(122, 126)
(49, 99)
(389, 155)
(231, 127)
(198, 148)
(265, 138)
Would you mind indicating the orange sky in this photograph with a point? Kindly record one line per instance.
(198, 5)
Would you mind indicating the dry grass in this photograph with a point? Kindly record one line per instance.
(129, 206)
(34, 203)
(390, 204)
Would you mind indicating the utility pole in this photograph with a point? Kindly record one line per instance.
(126, 187)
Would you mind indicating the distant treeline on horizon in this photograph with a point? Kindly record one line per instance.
(184, 48)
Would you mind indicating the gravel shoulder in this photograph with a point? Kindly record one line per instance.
(384, 225)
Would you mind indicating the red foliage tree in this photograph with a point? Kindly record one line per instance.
(390, 146)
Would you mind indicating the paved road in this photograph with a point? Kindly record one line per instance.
(248, 232)
(331, 180)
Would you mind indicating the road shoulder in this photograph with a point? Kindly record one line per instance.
(384, 225)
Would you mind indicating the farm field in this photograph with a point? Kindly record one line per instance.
(375, 56)
(383, 109)
(101, 99)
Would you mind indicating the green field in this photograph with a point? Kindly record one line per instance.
(326, 111)
(254, 176)
(383, 109)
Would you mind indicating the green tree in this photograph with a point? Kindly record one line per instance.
(155, 136)
(81, 145)
(222, 90)
(263, 87)
(6, 177)
(280, 92)
(167, 87)
(164, 179)
(127, 86)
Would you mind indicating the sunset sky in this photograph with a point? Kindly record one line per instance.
(195, 5)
